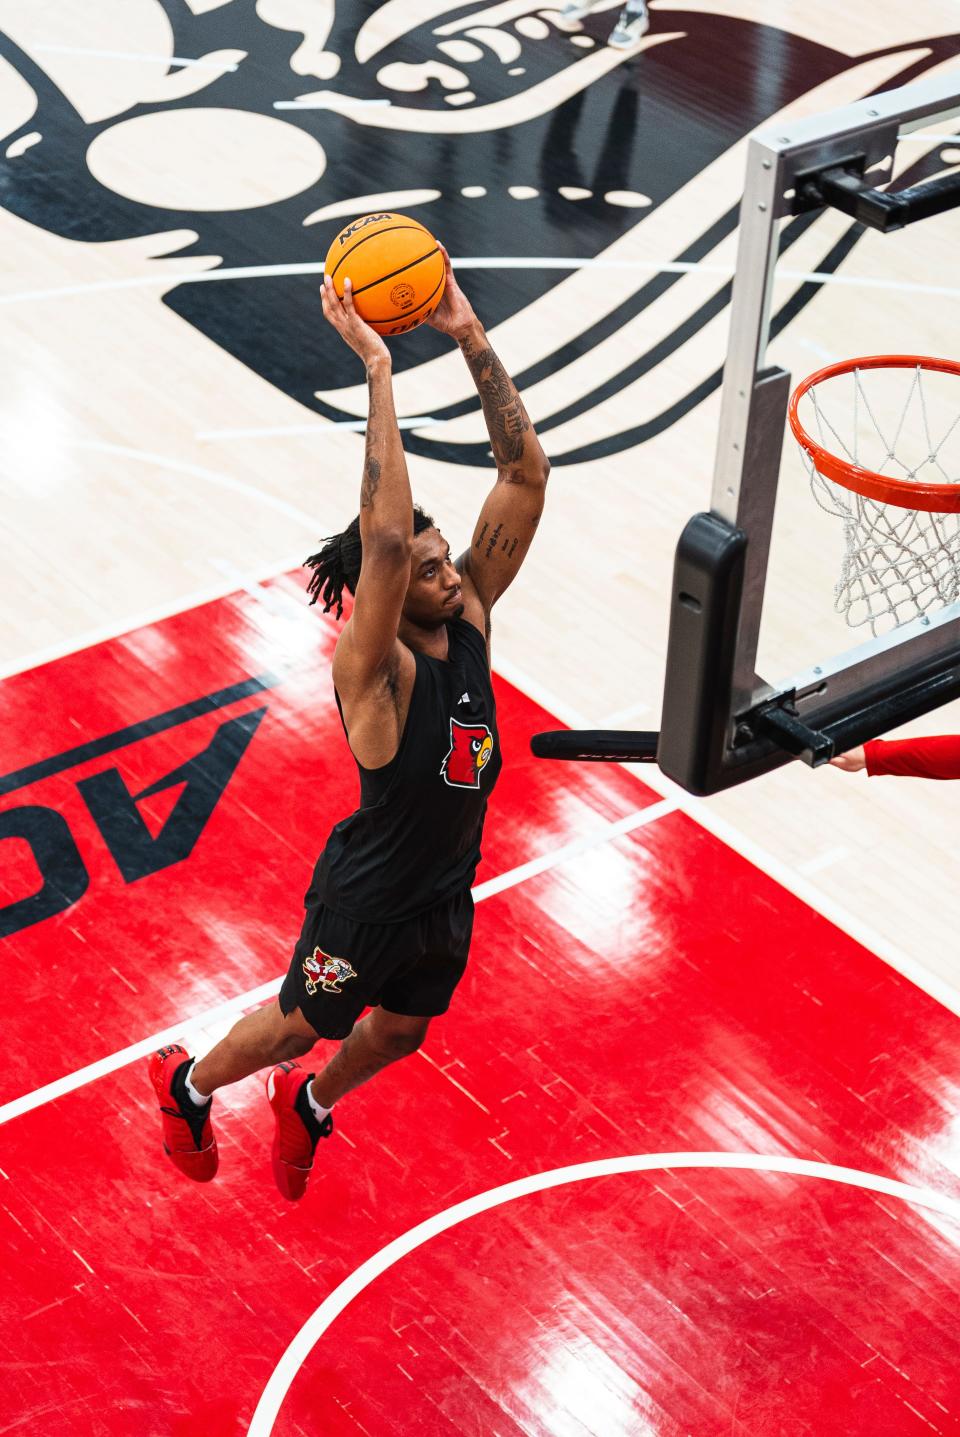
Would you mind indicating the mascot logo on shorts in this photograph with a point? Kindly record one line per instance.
(470, 748)
(322, 971)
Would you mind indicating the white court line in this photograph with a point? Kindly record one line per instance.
(619, 716)
(356, 426)
(232, 1007)
(271, 1400)
(265, 271)
(825, 859)
(275, 600)
(181, 605)
(549, 860)
(323, 102)
(130, 55)
(165, 280)
(222, 481)
(826, 356)
(184, 602)
(700, 811)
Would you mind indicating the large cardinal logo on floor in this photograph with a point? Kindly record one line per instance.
(520, 145)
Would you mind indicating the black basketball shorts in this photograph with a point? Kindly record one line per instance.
(340, 966)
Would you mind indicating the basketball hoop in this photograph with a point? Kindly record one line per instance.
(901, 529)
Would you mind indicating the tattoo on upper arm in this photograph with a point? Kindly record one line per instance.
(506, 544)
(502, 406)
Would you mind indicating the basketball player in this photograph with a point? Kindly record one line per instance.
(389, 909)
(632, 24)
(935, 757)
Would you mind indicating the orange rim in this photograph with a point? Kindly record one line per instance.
(904, 493)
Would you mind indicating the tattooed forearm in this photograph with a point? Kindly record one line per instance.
(503, 410)
(371, 466)
(371, 482)
(386, 504)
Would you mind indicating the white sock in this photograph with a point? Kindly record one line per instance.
(318, 1112)
(195, 1095)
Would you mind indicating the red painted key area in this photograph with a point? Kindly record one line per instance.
(654, 994)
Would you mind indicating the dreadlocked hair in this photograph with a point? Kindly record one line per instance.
(336, 565)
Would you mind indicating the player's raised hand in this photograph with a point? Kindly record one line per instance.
(363, 340)
(454, 313)
(852, 761)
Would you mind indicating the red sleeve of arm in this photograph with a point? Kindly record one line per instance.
(915, 757)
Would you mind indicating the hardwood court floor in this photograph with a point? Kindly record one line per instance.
(165, 440)
(648, 1001)
(705, 982)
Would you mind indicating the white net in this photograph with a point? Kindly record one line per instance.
(898, 563)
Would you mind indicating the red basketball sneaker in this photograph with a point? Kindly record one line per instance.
(188, 1138)
(298, 1128)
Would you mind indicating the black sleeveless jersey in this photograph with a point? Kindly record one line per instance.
(415, 839)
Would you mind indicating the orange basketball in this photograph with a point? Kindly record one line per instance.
(395, 267)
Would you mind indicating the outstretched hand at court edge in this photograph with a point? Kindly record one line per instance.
(454, 313)
(852, 761)
(933, 756)
(363, 340)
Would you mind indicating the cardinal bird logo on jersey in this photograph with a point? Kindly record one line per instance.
(470, 748)
(322, 971)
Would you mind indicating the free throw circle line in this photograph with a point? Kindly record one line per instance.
(298, 1351)
(170, 280)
